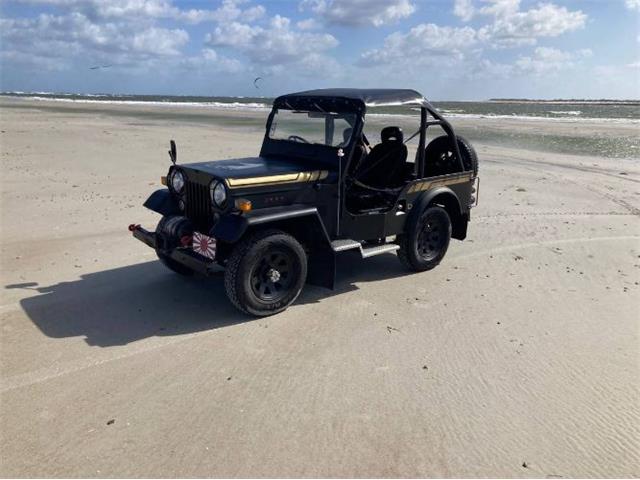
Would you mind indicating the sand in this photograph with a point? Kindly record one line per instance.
(517, 357)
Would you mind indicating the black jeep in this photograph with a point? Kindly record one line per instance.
(320, 187)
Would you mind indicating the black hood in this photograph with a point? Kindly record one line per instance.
(252, 167)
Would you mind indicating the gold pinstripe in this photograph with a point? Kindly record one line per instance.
(298, 177)
(421, 186)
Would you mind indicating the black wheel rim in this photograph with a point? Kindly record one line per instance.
(445, 161)
(274, 275)
(432, 238)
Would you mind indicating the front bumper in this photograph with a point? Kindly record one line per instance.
(182, 255)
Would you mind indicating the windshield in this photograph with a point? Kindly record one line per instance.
(319, 128)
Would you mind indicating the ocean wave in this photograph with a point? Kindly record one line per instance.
(513, 116)
(113, 101)
(537, 118)
(566, 112)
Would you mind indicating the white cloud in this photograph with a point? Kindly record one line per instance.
(546, 60)
(155, 9)
(464, 9)
(486, 69)
(273, 45)
(159, 40)
(458, 53)
(421, 43)
(512, 27)
(308, 24)
(227, 12)
(500, 8)
(632, 4)
(254, 13)
(126, 34)
(75, 33)
(360, 12)
(123, 8)
(211, 61)
(112, 9)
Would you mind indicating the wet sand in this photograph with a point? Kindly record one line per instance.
(517, 357)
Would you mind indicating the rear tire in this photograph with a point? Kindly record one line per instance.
(425, 243)
(265, 273)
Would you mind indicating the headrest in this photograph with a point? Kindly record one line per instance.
(392, 134)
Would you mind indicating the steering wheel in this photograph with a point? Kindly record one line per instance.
(297, 138)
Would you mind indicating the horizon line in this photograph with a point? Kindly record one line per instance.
(496, 99)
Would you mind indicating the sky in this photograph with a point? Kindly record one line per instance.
(448, 50)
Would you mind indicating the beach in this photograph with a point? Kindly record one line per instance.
(517, 357)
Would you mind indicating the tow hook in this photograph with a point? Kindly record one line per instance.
(143, 235)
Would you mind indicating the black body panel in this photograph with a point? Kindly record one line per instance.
(253, 166)
(231, 228)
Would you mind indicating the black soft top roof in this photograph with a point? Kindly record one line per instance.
(366, 97)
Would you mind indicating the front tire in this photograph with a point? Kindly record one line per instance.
(425, 243)
(265, 273)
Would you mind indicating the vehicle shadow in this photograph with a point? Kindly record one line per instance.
(122, 305)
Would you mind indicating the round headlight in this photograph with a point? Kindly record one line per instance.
(177, 181)
(218, 193)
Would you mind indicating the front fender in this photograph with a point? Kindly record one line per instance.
(231, 228)
(301, 221)
(162, 202)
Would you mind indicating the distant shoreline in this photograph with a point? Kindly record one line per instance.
(268, 99)
(566, 101)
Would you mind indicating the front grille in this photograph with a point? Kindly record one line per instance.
(198, 206)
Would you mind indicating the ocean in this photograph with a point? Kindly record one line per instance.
(547, 109)
(601, 143)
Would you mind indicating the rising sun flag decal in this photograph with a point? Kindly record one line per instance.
(204, 245)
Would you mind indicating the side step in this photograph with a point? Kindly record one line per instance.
(378, 249)
(365, 251)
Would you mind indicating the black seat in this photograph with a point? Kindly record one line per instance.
(385, 165)
(346, 137)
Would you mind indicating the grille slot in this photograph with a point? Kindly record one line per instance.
(198, 206)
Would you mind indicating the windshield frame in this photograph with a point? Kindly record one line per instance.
(324, 155)
(330, 140)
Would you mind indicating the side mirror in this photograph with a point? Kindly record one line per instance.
(173, 153)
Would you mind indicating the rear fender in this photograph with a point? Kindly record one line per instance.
(446, 198)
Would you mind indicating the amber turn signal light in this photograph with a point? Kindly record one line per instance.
(163, 180)
(243, 205)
